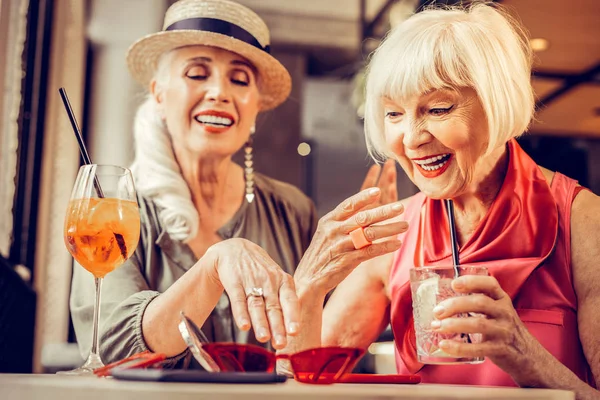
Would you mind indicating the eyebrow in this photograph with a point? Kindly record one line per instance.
(439, 94)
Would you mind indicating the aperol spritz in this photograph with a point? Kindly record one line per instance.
(102, 230)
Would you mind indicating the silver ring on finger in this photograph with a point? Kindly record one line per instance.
(255, 292)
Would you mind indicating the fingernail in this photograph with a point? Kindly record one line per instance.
(397, 207)
(435, 324)
(279, 340)
(373, 191)
(262, 333)
(293, 327)
(458, 284)
(244, 324)
(444, 343)
(438, 310)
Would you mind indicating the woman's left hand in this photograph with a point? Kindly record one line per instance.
(506, 340)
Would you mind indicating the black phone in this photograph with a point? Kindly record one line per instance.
(174, 375)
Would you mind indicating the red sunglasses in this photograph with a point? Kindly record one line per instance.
(321, 365)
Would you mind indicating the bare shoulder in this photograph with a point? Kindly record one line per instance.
(585, 241)
(585, 252)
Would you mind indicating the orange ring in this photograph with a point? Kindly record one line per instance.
(358, 238)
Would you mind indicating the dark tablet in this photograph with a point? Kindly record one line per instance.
(173, 375)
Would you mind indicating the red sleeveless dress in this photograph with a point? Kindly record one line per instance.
(524, 241)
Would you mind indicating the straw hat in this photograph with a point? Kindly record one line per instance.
(218, 23)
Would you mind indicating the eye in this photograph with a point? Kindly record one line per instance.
(197, 72)
(440, 111)
(240, 77)
(393, 114)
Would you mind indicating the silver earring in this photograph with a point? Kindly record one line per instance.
(249, 170)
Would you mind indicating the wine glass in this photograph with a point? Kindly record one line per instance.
(102, 229)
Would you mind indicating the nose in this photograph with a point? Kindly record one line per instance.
(415, 134)
(217, 90)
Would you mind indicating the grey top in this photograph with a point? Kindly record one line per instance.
(281, 220)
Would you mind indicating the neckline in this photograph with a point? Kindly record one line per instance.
(182, 254)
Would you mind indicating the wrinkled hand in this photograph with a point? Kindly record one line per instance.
(385, 179)
(331, 255)
(240, 266)
(506, 340)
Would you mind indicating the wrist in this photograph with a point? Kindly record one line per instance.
(308, 290)
(207, 267)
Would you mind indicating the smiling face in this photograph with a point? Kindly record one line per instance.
(209, 100)
(439, 139)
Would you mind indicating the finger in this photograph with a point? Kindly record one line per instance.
(476, 303)
(290, 306)
(375, 250)
(373, 216)
(239, 309)
(371, 177)
(355, 203)
(487, 285)
(490, 328)
(275, 319)
(256, 308)
(459, 349)
(377, 232)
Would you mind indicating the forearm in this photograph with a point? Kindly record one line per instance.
(541, 369)
(196, 293)
(311, 318)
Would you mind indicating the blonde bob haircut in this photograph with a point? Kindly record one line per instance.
(478, 46)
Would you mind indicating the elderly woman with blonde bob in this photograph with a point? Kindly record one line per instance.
(219, 241)
(447, 93)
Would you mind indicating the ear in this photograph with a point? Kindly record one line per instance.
(157, 94)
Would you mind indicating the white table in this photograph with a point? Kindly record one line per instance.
(53, 387)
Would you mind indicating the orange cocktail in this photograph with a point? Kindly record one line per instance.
(101, 233)
(102, 230)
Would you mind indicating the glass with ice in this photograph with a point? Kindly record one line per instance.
(431, 285)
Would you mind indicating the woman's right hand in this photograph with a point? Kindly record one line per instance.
(241, 266)
(331, 255)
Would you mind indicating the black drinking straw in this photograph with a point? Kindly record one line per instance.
(453, 241)
(75, 126)
(86, 158)
(454, 244)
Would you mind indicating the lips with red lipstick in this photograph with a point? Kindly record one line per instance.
(215, 121)
(434, 165)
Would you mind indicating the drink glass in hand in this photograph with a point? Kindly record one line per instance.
(102, 229)
(430, 285)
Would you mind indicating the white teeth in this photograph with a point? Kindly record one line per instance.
(426, 163)
(214, 120)
(430, 160)
(438, 166)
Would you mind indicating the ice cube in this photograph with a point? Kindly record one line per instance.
(426, 300)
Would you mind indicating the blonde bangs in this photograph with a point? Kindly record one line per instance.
(412, 72)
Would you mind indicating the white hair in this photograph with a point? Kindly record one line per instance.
(479, 47)
(155, 169)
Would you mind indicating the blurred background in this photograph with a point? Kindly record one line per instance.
(315, 140)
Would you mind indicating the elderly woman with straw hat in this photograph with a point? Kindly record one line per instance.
(218, 241)
(447, 92)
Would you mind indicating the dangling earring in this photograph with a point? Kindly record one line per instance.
(249, 170)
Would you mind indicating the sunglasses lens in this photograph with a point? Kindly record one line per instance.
(325, 365)
(241, 358)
